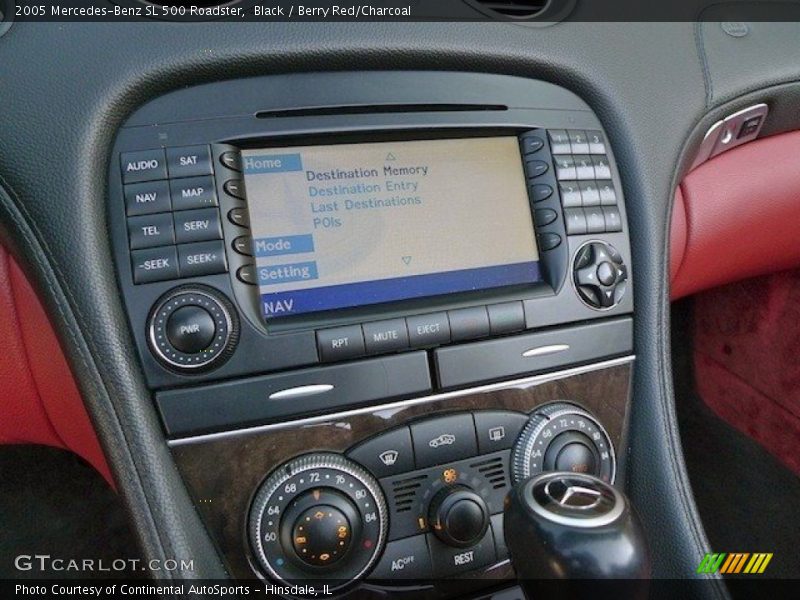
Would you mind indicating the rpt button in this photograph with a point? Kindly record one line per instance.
(340, 343)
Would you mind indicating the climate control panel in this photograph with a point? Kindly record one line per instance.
(418, 502)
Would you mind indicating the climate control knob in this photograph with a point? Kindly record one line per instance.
(459, 517)
(319, 516)
(563, 437)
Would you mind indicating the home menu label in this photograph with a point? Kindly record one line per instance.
(353, 224)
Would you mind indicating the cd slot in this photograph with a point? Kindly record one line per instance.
(364, 109)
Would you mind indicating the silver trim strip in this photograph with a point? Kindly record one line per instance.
(301, 391)
(392, 407)
(545, 350)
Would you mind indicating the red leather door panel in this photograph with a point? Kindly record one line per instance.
(39, 401)
(737, 216)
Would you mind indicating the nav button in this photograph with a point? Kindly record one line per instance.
(340, 343)
(386, 454)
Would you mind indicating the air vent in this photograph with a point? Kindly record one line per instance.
(404, 492)
(493, 470)
(515, 9)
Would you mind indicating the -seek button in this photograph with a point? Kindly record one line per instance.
(154, 264)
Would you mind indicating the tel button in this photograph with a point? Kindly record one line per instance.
(340, 343)
(146, 165)
(154, 264)
(151, 230)
(404, 559)
(442, 440)
(386, 454)
(191, 329)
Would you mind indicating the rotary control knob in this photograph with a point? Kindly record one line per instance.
(459, 517)
(319, 516)
(600, 275)
(192, 329)
(563, 437)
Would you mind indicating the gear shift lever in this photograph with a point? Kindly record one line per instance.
(575, 526)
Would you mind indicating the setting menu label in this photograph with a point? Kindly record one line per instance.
(352, 224)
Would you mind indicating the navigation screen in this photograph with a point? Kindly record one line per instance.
(356, 224)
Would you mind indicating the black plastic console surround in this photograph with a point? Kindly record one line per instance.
(576, 201)
(61, 112)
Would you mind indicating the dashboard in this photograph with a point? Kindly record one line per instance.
(419, 261)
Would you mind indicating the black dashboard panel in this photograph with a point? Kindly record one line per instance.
(229, 115)
(648, 83)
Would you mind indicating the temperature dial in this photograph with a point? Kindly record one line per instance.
(563, 437)
(318, 516)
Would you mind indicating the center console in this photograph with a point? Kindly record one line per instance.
(367, 304)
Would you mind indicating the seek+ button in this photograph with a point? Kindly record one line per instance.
(204, 258)
(191, 329)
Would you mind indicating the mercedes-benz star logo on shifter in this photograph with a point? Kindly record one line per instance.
(572, 495)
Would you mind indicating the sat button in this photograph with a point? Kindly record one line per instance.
(386, 454)
(189, 161)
